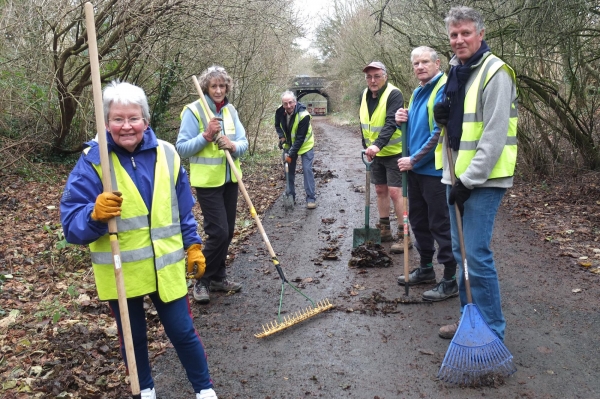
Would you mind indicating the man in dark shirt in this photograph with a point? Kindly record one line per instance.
(383, 142)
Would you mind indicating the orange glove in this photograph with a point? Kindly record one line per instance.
(196, 263)
(288, 159)
(108, 205)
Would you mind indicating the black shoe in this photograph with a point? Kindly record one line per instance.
(444, 290)
(420, 275)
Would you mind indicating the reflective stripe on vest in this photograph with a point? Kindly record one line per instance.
(152, 255)
(371, 126)
(208, 168)
(309, 139)
(439, 148)
(472, 126)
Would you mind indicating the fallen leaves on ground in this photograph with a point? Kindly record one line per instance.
(565, 214)
(369, 255)
(56, 338)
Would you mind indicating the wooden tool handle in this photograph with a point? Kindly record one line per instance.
(461, 237)
(404, 130)
(107, 184)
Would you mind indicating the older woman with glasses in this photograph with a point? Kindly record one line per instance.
(156, 226)
(201, 141)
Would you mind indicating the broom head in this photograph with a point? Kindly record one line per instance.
(475, 352)
(296, 318)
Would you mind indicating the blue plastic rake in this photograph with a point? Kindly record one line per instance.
(475, 351)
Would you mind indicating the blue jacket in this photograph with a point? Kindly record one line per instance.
(421, 141)
(84, 185)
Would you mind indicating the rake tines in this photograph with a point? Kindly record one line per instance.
(475, 352)
(288, 321)
(465, 365)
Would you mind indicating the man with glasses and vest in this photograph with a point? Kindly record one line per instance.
(479, 111)
(292, 123)
(383, 142)
(428, 211)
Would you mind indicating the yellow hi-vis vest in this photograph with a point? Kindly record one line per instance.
(152, 254)
(309, 139)
(208, 168)
(371, 127)
(472, 126)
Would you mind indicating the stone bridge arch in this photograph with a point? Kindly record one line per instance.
(302, 85)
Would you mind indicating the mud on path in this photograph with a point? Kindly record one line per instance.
(369, 346)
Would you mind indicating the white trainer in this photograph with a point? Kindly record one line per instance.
(207, 394)
(148, 393)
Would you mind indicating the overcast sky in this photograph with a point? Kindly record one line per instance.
(311, 12)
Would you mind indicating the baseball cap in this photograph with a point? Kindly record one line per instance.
(375, 64)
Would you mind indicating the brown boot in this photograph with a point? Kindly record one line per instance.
(386, 232)
(447, 332)
(398, 247)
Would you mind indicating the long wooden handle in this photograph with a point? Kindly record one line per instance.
(238, 177)
(461, 238)
(405, 213)
(106, 182)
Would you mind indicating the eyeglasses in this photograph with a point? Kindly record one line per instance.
(373, 77)
(136, 120)
(215, 69)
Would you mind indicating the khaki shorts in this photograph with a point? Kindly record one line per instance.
(385, 170)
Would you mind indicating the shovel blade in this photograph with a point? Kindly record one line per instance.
(288, 202)
(363, 236)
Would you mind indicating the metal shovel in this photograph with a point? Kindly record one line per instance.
(288, 198)
(366, 235)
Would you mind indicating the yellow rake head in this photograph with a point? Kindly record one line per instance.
(296, 318)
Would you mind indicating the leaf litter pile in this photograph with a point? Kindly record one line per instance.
(369, 255)
(57, 340)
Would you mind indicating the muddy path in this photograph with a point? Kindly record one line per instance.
(369, 346)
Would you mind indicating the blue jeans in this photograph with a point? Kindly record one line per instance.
(478, 226)
(176, 317)
(309, 177)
